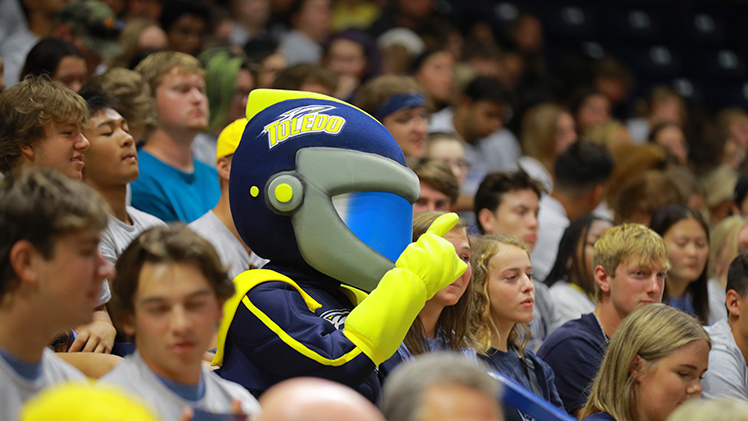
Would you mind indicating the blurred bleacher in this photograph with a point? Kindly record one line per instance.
(699, 48)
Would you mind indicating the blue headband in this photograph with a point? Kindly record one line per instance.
(398, 102)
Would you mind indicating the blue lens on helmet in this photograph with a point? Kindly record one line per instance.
(382, 221)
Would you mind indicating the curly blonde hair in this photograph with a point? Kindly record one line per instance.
(485, 248)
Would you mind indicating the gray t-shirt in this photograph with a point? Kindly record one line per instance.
(134, 376)
(118, 235)
(727, 374)
(232, 252)
(16, 389)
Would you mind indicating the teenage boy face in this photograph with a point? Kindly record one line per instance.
(61, 149)
(112, 158)
(175, 316)
(517, 215)
(633, 285)
(181, 101)
(69, 282)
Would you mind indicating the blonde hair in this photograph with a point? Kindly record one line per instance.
(631, 243)
(653, 332)
(725, 235)
(452, 320)
(156, 66)
(539, 128)
(719, 409)
(28, 107)
(485, 248)
(607, 133)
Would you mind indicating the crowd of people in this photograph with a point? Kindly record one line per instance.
(600, 257)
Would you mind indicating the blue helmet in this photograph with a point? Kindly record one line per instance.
(317, 183)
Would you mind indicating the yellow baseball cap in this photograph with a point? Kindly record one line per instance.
(229, 138)
(85, 402)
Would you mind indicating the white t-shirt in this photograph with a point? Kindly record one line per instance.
(727, 374)
(232, 252)
(118, 235)
(571, 303)
(552, 222)
(717, 296)
(134, 376)
(16, 389)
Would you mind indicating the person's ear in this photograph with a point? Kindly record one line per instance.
(602, 278)
(223, 165)
(637, 367)
(733, 301)
(596, 196)
(487, 220)
(23, 258)
(27, 150)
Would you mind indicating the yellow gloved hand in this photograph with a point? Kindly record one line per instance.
(378, 325)
(432, 258)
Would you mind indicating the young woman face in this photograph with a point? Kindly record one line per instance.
(451, 152)
(408, 126)
(437, 76)
(671, 381)
(688, 247)
(587, 246)
(510, 286)
(452, 293)
(566, 133)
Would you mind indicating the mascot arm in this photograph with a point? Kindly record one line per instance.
(378, 325)
(275, 326)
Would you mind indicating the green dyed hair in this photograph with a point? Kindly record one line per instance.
(221, 66)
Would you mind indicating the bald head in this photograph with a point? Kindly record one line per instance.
(312, 399)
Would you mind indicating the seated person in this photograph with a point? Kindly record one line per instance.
(398, 103)
(439, 187)
(111, 163)
(51, 277)
(173, 185)
(728, 374)
(654, 363)
(42, 127)
(217, 226)
(169, 292)
(572, 281)
(631, 263)
(503, 275)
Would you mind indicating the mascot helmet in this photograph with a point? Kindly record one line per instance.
(319, 184)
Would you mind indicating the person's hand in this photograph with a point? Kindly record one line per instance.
(97, 336)
(432, 258)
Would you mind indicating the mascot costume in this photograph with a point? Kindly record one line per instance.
(321, 189)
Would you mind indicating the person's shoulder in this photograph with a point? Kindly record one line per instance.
(250, 405)
(144, 219)
(571, 333)
(122, 374)
(57, 369)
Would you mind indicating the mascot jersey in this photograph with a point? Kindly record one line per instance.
(321, 189)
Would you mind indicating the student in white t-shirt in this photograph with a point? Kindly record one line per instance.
(111, 163)
(217, 225)
(169, 292)
(51, 274)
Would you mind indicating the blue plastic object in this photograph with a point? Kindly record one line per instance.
(529, 403)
